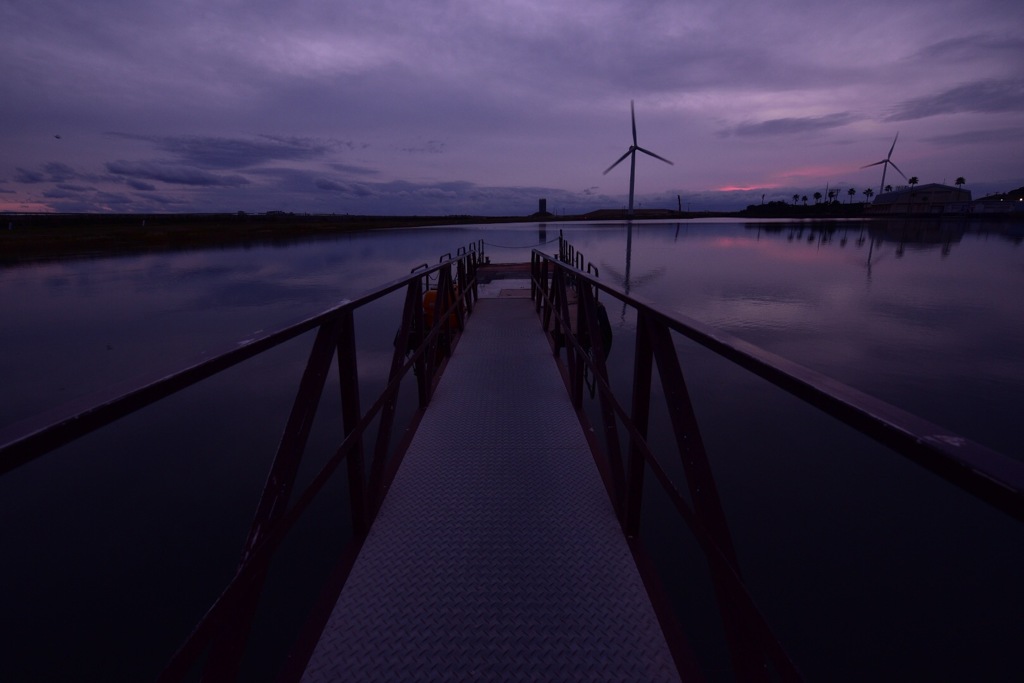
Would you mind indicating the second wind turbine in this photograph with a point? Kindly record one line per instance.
(886, 163)
(631, 153)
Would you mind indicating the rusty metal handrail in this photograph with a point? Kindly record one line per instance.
(28, 439)
(223, 631)
(751, 641)
(992, 477)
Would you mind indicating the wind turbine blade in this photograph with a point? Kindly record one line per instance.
(877, 163)
(632, 116)
(898, 170)
(650, 153)
(893, 144)
(621, 159)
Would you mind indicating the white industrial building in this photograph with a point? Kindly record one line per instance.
(932, 198)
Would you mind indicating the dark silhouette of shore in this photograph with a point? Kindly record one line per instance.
(31, 237)
(28, 237)
(35, 236)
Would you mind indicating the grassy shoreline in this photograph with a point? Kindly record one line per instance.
(44, 236)
(30, 237)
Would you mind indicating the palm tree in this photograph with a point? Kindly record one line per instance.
(960, 182)
(852, 192)
(912, 181)
(796, 198)
(868, 194)
(832, 195)
(817, 197)
(888, 188)
(804, 200)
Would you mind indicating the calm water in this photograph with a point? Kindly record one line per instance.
(865, 566)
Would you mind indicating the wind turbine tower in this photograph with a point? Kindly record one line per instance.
(886, 162)
(631, 153)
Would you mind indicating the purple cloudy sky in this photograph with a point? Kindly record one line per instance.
(483, 106)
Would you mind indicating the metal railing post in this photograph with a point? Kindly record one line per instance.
(534, 277)
(465, 295)
(351, 414)
(424, 368)
(643, 357)
(563, 332)
(588, 321)
(375, 493)
(545, 295)
(743, 644)
(229, 648)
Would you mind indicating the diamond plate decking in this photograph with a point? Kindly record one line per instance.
(496, 554)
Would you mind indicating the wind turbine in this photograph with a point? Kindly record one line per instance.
(631, 153)
(886, 162)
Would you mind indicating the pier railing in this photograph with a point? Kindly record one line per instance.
(566, 298)
(427, 335)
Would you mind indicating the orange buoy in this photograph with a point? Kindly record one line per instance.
(429, 301)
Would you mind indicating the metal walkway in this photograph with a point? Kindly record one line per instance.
(496, 553)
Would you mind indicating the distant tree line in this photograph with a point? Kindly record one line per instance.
(834, 194)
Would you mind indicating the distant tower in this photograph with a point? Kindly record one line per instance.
(543, 206)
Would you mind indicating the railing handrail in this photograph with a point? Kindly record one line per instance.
(27, 439)
(992, 476)
(224, 630)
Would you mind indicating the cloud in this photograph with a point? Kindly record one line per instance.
(173, 174)
(256, 106)
(140, 185)
(992, 96)
(52, 172)
(23, 175)
(353, 189)
(105, 201)
(59, 172)
(237, 152)
(116, 199)
(790, 126)
(428, 147)
(60, 193)
(971, 47)
(355, 170)
(978, 137)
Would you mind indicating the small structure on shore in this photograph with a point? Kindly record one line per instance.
(1011, 202)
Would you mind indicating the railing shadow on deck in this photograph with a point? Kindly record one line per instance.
(437, 301)
(566, 300)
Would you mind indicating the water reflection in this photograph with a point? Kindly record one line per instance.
(866, 302)
(928, 319)
(624, 279)
(852, 310)
(847, 548)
